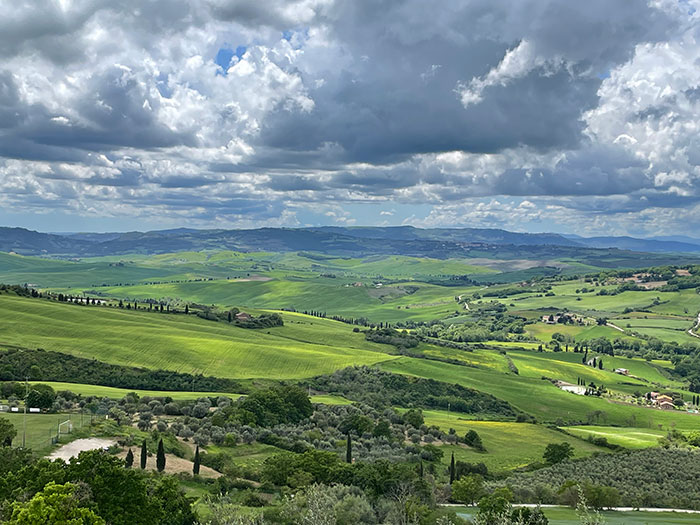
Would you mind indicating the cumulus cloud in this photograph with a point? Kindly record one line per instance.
(244, 113)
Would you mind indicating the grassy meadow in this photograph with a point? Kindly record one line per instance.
(184, 343)
(378, 288)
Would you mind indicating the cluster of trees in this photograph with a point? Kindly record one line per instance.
(94, 488)
(382, 389)
(22, 291)
(18, 364)
(389, 336)
(491, 323)
(655, 477)
(261, 321)
(516, 290)
(270, 407)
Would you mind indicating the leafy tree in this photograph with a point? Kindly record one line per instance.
(358, 423)
(7, 432)
(125, 496)
(57, 504)
(382, 429)
(557, 452)
(160, 456)
(283, 404)
(118, 415)
(468, 489)
(473, 439)
(414, 418)
(144, 455)
(41, 396)
(495, 505)
(129, 460)
(197, 462)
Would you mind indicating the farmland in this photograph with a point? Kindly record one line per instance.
(183, 343)
(429, 319)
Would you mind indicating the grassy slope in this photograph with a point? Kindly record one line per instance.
(391, 303)
(626, 437)
(184, 343)
(541, 398)
(508, 445)
(118, 393)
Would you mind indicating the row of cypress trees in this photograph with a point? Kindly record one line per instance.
(160, 458)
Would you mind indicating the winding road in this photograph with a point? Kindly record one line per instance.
(695, 327)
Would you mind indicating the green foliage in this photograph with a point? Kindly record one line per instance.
(389, 336)
(644, 478)
(196, 462)
(7, 432)
(468, 489)
(557, 452)
(473, 439)
(59, 504)
(281, 404)
(40, 396)
(129, 459)
(357, 423)
(382, 389)
(56, 366)
(413, 417)
(144, 455)
(160, 457)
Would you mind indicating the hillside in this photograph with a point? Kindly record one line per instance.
(302, 348)
(361, 241)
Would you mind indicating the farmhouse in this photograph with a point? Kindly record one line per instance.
(622, 371)
(242, 316)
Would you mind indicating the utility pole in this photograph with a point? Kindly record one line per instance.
(24, 423)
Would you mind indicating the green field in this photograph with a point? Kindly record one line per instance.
(625, 437)
(118, 393)
(41, 428)
(508, 445)
(541, 398)
(394, 302)
(544, 331)
(186, 343)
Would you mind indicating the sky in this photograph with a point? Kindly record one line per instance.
(535, 115)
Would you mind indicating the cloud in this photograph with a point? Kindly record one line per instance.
(128, 109)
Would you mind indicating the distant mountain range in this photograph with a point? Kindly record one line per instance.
(336, 240)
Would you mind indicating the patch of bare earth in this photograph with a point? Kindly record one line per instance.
(74, 448)
(173, 464)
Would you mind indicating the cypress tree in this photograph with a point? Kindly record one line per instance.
(420, 469)
(229, 317)
(600, 364)
(144, 454)
(348, 450)
(160, 457)
(195, 467)
(452, 468)
(129, 460)
(187, 309)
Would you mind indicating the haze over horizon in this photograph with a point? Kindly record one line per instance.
(543, 116)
